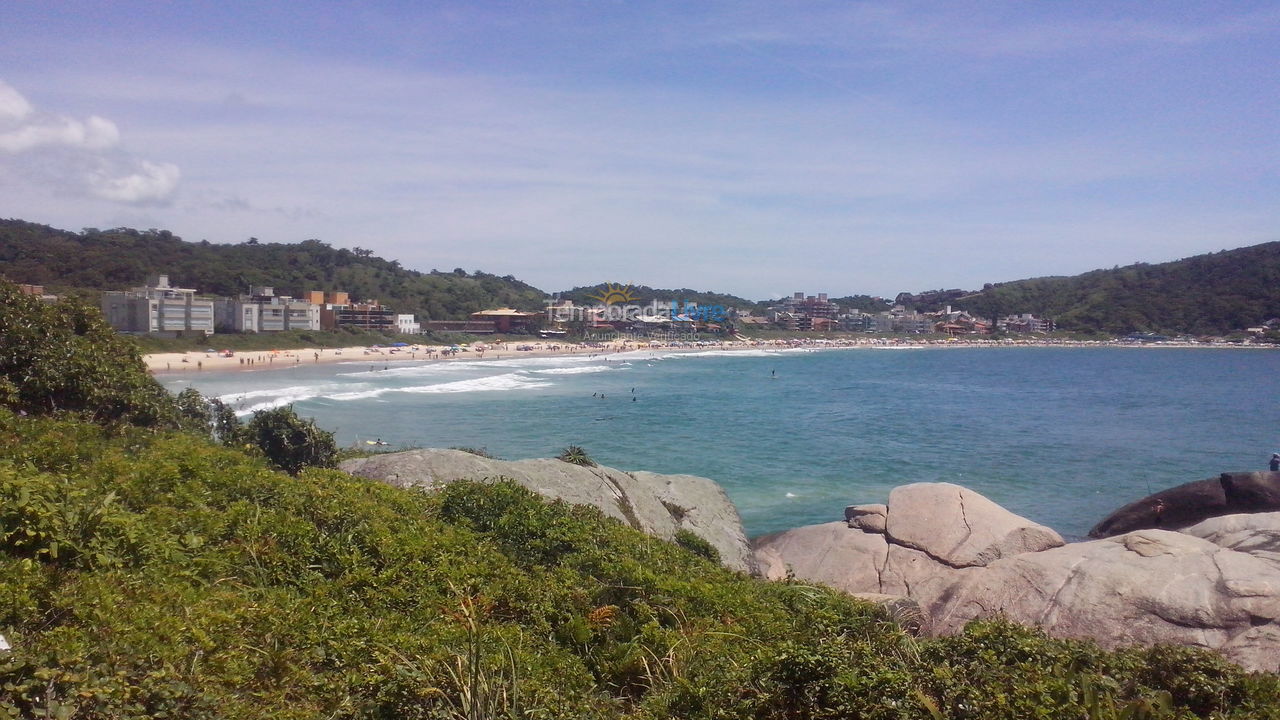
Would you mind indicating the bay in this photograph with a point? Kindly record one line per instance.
(1060, 435)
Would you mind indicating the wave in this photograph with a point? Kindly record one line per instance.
(509, 381)
(574, 370)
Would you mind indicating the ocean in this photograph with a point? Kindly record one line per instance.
(1060, 435)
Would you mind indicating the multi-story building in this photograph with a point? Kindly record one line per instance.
(798, 312)
(264, 311)
(368, 315)
(408, 325)
(1025, 323)
(158, 308)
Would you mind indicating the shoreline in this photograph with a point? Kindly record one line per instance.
(254, 360)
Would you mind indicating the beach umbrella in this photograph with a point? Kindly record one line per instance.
(400, 344)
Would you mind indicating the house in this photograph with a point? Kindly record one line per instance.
(158, 308)
(508, 319)
(407, 325)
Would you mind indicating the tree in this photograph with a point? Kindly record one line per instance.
(290, 442)
(64, 357)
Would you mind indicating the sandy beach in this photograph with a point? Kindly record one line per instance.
(184, 362)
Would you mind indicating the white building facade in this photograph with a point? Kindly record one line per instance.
(158, 308)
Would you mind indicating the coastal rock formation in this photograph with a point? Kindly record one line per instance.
(656, 504)
(1215, 586)
(1178, 507)
(1257, 534)
(872, 518)
(1144, 587)
(959, 527)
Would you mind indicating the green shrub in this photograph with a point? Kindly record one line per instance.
(192, 580)
(697, 545)
(64, 357)
(290, 442)
(575, 455)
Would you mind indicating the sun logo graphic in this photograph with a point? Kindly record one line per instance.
(614, 294)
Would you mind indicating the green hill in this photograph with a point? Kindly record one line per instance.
(97, 260)
(1203, 295)
(589, 295)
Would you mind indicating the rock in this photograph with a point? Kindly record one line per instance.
(959, 527)
(871, 518)
(1144, 587)
(1187, 504)
(830, 554)
(656, 504)
(1215, 586)
(1257, 534)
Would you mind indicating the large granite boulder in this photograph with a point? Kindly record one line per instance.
(1257, 534)
(1151, 586)
(959, 527)
(656, 504)
(1144, 587)
(1178, 507)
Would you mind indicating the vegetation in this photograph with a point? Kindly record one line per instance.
(149, 571)
(590, 295)
(153, 574)
(1203, 295)
(575, 455)
(98, 260)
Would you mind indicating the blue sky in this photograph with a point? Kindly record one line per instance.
(757, 148)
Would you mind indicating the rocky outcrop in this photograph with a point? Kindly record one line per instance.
(1257, 534)
(1144, 587)
(961, 557)
(1179, 507)
(656, 504)
(958, 527)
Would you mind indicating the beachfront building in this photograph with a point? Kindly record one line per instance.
(407, 325)
(799, 311)
(158, 308)
(1025, 323)
(367, 315)
(470, 327)
(264, 311)
(509, 319)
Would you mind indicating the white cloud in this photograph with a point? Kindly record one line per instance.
(81, 156)
(149, 182)
(12, 105)
(96, 133)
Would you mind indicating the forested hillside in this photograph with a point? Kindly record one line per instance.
(116, 259)
(590, 295)
(1203, 295)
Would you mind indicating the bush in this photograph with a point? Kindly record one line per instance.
(64, 357)
(697, 545)
(575, 455)
(290, 442)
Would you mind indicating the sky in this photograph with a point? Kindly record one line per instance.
(752, 147)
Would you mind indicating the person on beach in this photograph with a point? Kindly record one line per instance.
(1275, 462)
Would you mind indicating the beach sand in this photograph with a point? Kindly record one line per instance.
(188, 362)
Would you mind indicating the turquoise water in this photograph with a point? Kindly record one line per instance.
(1061, 435)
